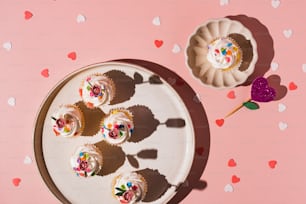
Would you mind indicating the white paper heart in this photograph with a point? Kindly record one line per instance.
(274, 66)
(229, 188)
(197, 98)
(282, 126)
(27, 160)
(80, 18)
(224, 2)
(281, 107)
(288, 33)
(156, 21)
(304, 68)
(7, 46)
(275, 3)
(171, 80)
(176, 48)
(11, 101)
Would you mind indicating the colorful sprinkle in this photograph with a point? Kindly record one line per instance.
(129, 184)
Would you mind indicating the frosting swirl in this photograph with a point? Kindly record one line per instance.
(67, 121)
(87, 160)
(117, 126)
(224, 53)
(97, 90)
(129, 188)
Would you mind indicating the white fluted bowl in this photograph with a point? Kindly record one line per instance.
(197, 49)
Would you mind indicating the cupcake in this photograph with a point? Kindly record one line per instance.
(87, 160)
(129, 188)
(117, 126)
(96, 90)
(67, 121)
(224, 53)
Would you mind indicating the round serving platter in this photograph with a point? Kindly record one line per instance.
(173, 139)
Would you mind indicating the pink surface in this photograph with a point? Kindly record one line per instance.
(124, 29)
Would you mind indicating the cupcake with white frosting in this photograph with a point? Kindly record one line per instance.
(117, 127)
(224, 54)
(86, 161)
(67, 121)
(97, 90)
(129, 188)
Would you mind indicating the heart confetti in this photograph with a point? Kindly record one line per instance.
(156, 21)
(11, 101)
(292, 86)
(171, 80)
(231, 95)
(275, 3)
(197, 98)
(45, 73)
(28, 15)
(7, 46)
(235, 179)
(282, 126)
(228, 188)
(72, 55)
(16, 181)
(272, 164)
(288, 33)
(27, 160)
(176, 48)
(304, 68)
(224, 2)
(281, 107)
(231, 163)
(80, 18)
(158, 43)
(220, 122)
(274, 66)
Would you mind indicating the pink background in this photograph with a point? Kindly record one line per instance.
(123, 29)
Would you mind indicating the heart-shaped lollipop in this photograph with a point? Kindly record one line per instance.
(261, 91)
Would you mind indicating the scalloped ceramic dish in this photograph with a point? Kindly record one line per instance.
(197, 50)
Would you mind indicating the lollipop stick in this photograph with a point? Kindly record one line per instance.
(236, 109)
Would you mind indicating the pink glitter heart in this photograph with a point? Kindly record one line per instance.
(261, 91)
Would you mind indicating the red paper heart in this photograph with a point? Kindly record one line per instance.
(45, 73)
(231, 163)
(72, 55)
(28, 15)
(200, 151)
(158, 43)
(272, 164)
(235, 179)
(220, 122)
(292, 86)
(16, 181)
(231, 95)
